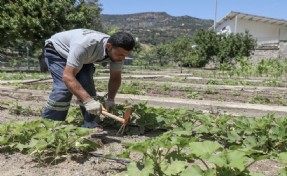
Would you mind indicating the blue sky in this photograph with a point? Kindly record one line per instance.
(204, 9)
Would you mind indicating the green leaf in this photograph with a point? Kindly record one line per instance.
(181, 132)
(48, 123)
(204, 149)
(41, 145)
(232, 136)
(283, 157)
(70, 119)
(140, 147)
(234, 159)
(58, 148)
(4, 129)
(133, 169)
(86, 145)
(148, 167)
(70, 128)
(172, 168)
(83, 131)
(42, 135)
(4, 140)
(125, 154)
(21, 147)
(283, 172)
(250, 142)
(142, 170)
(192, 170)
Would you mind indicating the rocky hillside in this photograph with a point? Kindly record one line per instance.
(155, 27)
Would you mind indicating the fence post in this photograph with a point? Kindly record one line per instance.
(28, 65)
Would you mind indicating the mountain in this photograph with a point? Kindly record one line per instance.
(155, 27)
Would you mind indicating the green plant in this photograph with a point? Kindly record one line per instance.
(46, 140)
(212, 82)
(260, 100)
(231, 144)
(193, 95)
(132, 88)
(16, 108)
(211, 91)
(165, 87)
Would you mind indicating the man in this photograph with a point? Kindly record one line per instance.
(70, 57)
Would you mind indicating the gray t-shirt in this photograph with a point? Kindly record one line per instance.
(83, 46)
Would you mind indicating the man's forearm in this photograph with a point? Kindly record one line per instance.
(113, 87)
(76, 88)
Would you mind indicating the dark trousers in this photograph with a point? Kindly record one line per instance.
(60, 98)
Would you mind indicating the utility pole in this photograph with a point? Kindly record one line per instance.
(215, 14)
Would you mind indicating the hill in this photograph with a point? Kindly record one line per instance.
(155, 27)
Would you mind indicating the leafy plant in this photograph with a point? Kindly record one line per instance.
(16, 108)
(44, 139)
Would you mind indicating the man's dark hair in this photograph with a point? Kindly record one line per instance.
(123, 40)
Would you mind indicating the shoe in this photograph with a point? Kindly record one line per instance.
(94, 125)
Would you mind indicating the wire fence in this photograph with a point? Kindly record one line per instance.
(18, 59)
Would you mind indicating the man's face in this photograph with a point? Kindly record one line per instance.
(117, 54)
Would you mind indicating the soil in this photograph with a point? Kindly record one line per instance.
(162, 87)
(77, 164)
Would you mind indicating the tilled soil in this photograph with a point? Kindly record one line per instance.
(76, 164)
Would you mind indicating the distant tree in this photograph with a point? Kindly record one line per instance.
(220, 47)
(235, 45)
(161, 53)
(36, 20)
(180, 49)
(27, 23)
(206, 47)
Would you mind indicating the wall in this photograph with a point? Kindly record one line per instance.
(280, 52)
(262, 32)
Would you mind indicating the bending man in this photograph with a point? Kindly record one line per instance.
(70, 57)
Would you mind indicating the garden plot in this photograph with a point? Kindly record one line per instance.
(29, 100)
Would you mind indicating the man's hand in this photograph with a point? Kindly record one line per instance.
(109, 103)
(93, 107)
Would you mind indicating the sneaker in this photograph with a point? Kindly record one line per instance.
(94, 125)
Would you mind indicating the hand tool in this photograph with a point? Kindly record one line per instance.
(123, 120)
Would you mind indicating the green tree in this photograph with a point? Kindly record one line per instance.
(37, 20)
(207, 46)
(222, 48)
(235, 45)
(161, 53)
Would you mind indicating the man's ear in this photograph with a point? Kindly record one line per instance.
(108, 45)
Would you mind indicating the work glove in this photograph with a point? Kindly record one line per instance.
(109, 103)
(93, 107)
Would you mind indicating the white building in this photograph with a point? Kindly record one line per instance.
(263, 29)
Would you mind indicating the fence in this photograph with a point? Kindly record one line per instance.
(18, 59)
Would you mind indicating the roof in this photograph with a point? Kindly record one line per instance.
(250, 17)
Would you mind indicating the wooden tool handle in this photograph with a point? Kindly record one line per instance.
(113, 116)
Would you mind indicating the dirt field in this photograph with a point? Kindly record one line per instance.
(83, 165)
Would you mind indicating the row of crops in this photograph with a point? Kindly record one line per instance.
(191, 143)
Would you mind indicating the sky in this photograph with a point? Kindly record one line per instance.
(203, 9)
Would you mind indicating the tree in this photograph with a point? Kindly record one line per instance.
(27, 23)
(207, 43)
(223, 48)
(37, 20)
(181, 49)
(235, 45)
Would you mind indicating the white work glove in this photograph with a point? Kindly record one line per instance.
(109, 103)
(93, 107)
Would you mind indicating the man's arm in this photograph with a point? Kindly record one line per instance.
(69, 78)
(114, 84)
